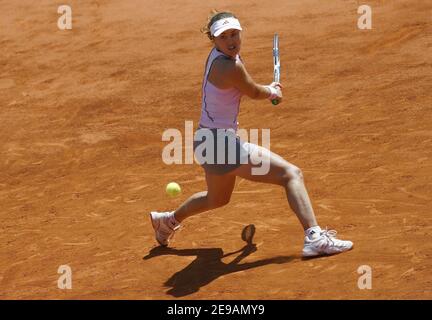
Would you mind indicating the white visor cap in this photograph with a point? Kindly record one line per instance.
(224, 24)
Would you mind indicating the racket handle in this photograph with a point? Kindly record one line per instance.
(275, 102)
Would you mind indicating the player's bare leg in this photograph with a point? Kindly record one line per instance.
(288, 176)
(218, 194)
(317, 241)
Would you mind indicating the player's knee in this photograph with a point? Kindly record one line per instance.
(292, 173)
(218, 202)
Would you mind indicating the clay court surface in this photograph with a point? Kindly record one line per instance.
(82, 115)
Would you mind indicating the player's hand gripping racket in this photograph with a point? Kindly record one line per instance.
(276, 63)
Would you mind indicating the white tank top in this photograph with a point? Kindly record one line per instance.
(220, 107)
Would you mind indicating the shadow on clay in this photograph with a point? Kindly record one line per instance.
(208, 265)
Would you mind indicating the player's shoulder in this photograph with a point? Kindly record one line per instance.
(229, 66)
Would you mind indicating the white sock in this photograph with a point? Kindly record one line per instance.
(172, 220)
(313, 232)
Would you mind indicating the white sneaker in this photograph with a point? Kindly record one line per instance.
(325, 244)
(164, 225)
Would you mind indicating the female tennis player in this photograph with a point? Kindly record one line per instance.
(225, 82)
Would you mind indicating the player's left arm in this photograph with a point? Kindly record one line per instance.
(239, 78)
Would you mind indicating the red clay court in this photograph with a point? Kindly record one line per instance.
(82, 115)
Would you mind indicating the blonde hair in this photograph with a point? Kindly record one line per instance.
(214, 16)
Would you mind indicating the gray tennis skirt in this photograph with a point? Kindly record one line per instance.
(220, 151)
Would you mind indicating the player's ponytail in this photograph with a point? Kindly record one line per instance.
(212, 18)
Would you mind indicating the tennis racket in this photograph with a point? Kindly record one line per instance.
(276, 63)
(248, 233)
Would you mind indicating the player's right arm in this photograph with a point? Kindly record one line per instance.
(239, 78)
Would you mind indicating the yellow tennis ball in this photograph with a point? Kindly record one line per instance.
(173, 189)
